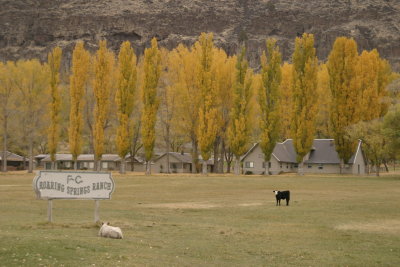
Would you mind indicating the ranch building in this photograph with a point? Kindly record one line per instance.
(178, 163)
(86, 162)
(322, 158)
(14, 161)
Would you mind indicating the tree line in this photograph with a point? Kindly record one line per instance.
(200, 95)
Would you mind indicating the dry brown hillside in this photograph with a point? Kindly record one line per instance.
(30, 28)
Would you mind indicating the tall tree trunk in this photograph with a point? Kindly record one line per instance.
(4, 157)
(378, 165)
(148, 168)
(216, 156)
(75, 164)
(195, 156)
(132, 158)
(237, 165)
(228, 158)
(168, 146)
(98, 165)
(30, 169)
(341, 166)
(300, 170)
(24, 163)
(222, 153)
(386, 166)
(266, 168)
(122, 167)
(53, 164)
(205, 167)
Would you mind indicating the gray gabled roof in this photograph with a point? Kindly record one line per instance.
(323, 152)
(183, 157)
(284, 152)
(83, 157)
(12, 156)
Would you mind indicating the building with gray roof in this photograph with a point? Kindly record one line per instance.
(322, 158)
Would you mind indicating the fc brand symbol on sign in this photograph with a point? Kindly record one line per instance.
(73, 185)
(77, 179)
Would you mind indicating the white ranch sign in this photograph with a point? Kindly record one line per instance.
(73, 185)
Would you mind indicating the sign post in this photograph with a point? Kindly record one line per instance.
(51, 185)
(50, 210)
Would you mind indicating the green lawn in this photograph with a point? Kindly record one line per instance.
(194, 220)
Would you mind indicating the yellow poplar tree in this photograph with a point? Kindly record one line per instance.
(32, 80)
(342, 62)
(239, 128)
(286, 102)
(183, 72)
(152, 72)
(305, 96)
(103, 72)
(324, 101)
(78, 82)
(124, 98)
(269, 100)
(373, 76)
(7, 95)
(224, 68)
(207, 127)
(54, 62)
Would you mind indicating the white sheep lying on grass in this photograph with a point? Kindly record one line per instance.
(110, 231)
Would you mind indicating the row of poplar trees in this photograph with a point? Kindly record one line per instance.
(197, 94)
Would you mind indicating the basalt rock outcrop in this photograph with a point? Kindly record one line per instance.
(31, 28)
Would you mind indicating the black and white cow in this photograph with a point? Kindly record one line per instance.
(282, 195)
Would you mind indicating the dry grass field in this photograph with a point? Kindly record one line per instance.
(193, 220)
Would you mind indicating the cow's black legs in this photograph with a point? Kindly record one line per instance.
(287, 202)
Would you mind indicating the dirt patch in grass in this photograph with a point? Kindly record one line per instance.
(198, 205)
(380, 227)
(48, 225)
(182, 205)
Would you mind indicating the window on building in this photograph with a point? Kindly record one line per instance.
(265, 164)
(309, 166)
(173, 166)
(296, 165)
(320, 166)
(281, 165)
(287, 165)
(249, 164)
(104, 165)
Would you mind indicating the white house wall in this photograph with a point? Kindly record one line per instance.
(359, 164)
(257, 158)
(161, 166)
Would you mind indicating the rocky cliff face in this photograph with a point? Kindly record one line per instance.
(30, 28)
